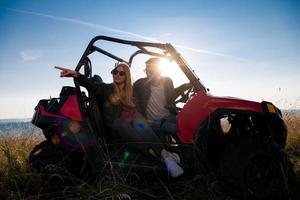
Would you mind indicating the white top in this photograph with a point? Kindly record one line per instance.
(157, 102)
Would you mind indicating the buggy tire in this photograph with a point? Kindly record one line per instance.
(254, 168)
(49, 158)
(44, 158)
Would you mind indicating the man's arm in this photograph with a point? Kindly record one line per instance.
(175, 92)
(180, 89)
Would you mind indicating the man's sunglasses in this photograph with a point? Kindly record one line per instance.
(115, 72)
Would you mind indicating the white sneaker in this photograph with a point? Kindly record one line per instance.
(173, 168)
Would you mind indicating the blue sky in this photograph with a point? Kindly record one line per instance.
(245, 49)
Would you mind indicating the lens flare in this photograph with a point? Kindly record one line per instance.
(140, 124)
(125, 156)
(74, 135)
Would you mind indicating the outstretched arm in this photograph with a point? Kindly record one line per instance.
(82, 80)
(67, 72)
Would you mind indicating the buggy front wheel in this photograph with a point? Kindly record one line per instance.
(254, 168)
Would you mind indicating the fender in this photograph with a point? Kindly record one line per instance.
(200, 107)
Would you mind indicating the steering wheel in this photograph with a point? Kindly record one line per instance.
(185, 95)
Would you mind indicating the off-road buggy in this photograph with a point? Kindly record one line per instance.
(238, 143)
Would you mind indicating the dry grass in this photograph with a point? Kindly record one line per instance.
(17, 183)
(293, 142)
(14, 151)
(293, 125)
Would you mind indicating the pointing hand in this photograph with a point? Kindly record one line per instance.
(67, 72)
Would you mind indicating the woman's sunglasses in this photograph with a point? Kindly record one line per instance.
(115, 72)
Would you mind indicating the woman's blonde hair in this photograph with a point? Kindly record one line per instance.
(124, 95)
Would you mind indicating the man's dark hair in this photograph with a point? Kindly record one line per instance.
(152, 61)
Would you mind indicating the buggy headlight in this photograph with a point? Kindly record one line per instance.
(271, 108)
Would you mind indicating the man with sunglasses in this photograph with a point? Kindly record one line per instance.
(155, 98)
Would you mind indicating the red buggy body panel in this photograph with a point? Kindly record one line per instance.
(199, 108)
(68, 109)
(71, 108)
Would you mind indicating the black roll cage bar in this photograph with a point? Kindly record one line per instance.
(169, 52)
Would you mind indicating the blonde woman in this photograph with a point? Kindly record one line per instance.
(120, 115)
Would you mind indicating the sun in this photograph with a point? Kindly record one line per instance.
(172, 70)
(166, 67)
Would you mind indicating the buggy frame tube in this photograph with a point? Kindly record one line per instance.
(198, 85)
(108, 54)
(149, 53)
(166, 47)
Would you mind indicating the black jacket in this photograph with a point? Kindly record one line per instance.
(103, 92)
(142, 92)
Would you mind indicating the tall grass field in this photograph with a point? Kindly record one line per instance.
(17, 182)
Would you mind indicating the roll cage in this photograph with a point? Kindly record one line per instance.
(169, 52)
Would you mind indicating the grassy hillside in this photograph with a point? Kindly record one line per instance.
(16, 182)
